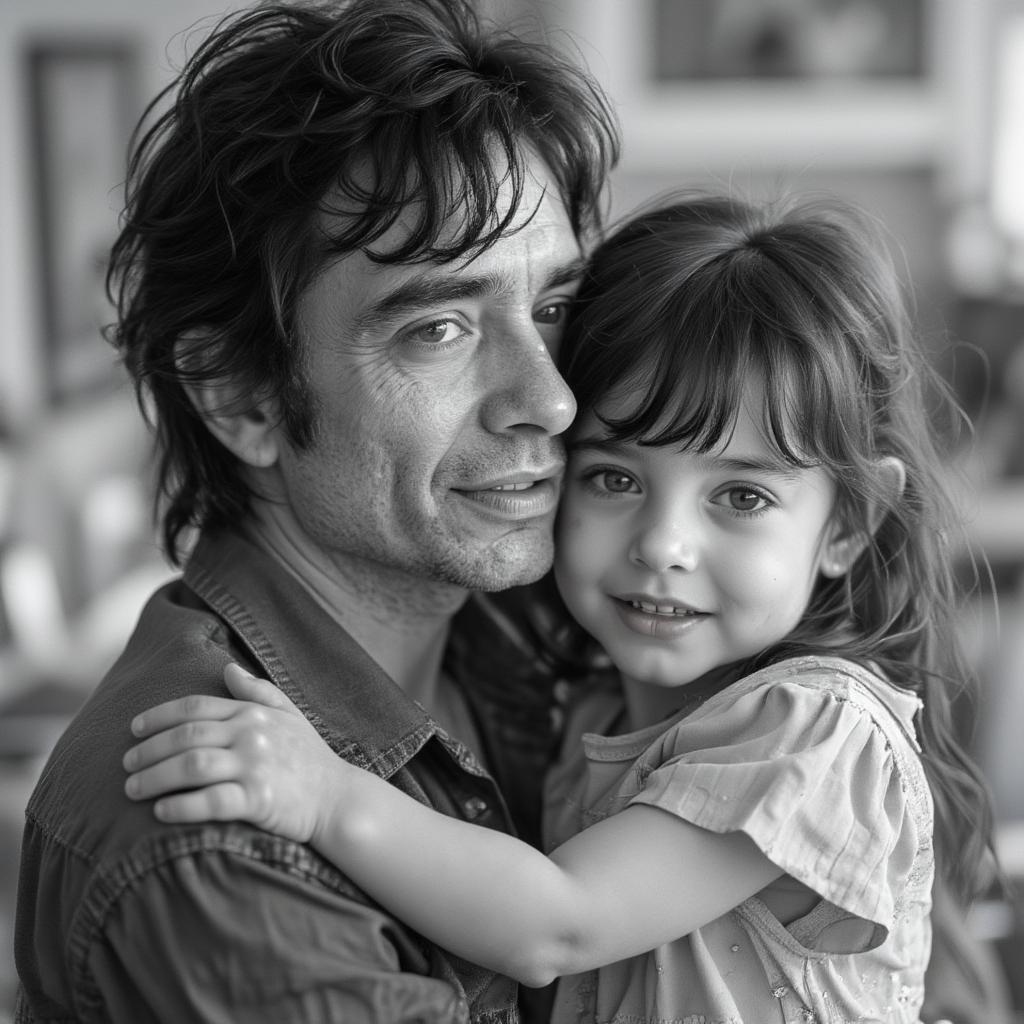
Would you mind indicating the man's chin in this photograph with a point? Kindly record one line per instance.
(515, 560)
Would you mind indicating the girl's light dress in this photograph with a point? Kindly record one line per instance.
(817, 761)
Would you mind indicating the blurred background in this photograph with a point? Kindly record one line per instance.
(912, 108)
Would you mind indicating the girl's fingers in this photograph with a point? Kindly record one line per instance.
(184, 709)
(202, 766)
(245, 686)
(225, 801)
(177, 740)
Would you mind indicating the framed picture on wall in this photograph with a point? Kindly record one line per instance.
(81, 113)
(788, 40)
(723, 85)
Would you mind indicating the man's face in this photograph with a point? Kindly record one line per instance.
(438, 405)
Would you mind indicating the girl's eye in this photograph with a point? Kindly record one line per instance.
(612, 481)
(743, 499)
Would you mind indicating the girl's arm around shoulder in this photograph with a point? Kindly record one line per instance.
(621, 887)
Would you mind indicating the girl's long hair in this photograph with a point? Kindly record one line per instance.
(683, 303)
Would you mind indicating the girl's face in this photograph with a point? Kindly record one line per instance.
(678, 562)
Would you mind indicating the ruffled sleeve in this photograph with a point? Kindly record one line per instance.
(827, 785)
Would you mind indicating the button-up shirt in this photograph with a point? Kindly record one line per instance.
(124, 919)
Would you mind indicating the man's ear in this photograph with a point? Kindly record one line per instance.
(843, 547)
(244, 426)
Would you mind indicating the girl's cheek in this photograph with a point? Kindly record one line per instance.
(567, 527)
(754, 575)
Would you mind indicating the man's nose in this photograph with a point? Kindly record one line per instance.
(527, 393)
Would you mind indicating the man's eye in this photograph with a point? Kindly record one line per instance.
(552, 313)
(437, 332)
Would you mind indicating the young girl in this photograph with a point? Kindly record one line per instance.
(753, 529)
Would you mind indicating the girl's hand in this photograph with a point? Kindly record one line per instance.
(254, 759)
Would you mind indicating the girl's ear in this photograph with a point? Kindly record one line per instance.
(842, 548)
(246, 428)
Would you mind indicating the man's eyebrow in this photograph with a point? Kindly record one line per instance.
(430, 289)
(566, 273)
(424, 290)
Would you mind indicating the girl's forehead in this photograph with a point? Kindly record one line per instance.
(685, 397)
(745, 432)
(751, 423)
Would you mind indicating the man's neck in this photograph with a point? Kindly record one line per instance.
(401, 621)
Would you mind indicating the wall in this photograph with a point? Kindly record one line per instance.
(910, 153)
(160, 30)
(910, 160)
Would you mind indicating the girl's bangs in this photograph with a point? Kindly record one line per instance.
(690, 387)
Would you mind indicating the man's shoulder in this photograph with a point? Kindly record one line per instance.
(190, 911)
(93, 859)
(178, 647)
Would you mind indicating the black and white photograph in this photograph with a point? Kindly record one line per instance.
(511, 511)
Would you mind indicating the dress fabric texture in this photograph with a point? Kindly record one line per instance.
(816, 760)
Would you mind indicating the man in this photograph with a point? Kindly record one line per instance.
(348, 251)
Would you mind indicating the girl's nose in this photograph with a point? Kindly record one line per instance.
(662, 546)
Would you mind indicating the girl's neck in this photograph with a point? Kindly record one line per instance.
(647, 704)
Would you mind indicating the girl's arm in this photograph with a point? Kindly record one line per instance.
(623, 886)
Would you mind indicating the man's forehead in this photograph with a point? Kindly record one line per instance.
(536, 199)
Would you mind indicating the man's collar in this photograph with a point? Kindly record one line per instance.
(361, 712)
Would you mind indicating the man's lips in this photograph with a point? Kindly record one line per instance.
(516, 495)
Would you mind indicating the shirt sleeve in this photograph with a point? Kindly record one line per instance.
(811, 778)
(218, 935)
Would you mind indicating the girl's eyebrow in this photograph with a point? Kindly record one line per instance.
(766, 463)
(600, 446)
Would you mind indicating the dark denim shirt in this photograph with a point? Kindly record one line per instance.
(124, 919)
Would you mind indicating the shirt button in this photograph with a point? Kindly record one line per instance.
(474, 807)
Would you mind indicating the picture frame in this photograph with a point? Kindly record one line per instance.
(743, 119)
(81, 108)
(804, 41)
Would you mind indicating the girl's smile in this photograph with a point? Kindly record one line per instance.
(680, 562)
(657, 617)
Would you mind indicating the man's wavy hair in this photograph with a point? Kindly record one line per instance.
(394, 107)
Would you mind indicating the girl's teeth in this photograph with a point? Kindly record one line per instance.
(511, 487)
(657, 609)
